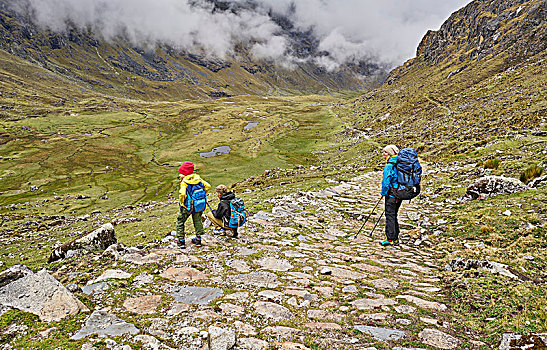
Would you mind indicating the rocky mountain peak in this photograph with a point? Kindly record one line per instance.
(483, 28)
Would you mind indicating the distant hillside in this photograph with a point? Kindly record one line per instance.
(120, 69)
(481, 75)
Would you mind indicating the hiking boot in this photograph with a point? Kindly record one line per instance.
(396, 242)
(181, 243)
(386, 243)
(196, 241)
(234, 233)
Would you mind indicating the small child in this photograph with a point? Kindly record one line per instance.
(221, 216)
(190, 182)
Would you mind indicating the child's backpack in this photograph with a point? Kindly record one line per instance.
(196, 198)
(238, 215)
(409, 174)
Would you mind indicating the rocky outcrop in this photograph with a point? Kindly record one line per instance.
(484, 265)
(518, 27)
(98, 240)
(489, 186)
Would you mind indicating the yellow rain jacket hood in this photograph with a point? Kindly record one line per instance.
(192, 179)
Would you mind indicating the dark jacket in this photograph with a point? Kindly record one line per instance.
(223, 211)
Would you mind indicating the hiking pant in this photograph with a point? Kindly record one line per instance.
(220, 224)
(217, 222)
(184, 214)
(392, 206)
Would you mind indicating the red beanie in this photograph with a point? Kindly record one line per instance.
(186, 168)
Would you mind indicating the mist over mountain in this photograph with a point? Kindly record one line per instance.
(338, 32)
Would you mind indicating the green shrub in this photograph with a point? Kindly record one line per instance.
(531, 173)
(492, 163)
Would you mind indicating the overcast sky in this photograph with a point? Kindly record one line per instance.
(386, 31)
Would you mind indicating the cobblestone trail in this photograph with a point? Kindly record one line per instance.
(295, 279)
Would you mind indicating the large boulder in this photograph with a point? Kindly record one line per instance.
(98, 240)
(489, 186)
(14, 273)
(42, 295)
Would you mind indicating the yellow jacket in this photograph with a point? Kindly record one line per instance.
(192, 179)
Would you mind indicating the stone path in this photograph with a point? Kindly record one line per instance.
(295, 279)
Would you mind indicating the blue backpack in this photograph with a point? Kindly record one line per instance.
(409, 174)
(196, 198)
(238, 215)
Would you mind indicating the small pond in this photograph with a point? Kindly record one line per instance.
(217, 151)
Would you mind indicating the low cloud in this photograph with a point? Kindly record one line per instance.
(342, 31)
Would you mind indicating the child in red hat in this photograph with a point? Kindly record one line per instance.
(192, 200)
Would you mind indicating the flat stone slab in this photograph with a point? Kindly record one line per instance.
(294, 254)
(239, 266)
(197, 295)
(141, 258)
(323, 325)
(259, 279)
(405, 309)
(271, 310)
(102, 323)
(95, 288)
(367, 267)
(344, 273)
(274, 264)
(369, 304)
(112, 274)
(281, 331)
(142, 305)
(385, 283)
(183, 274)
(438, 339)
(42, 295)
(252, 344)
(423, 303)
(381, 334)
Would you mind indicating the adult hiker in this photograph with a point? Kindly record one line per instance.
(221, 216)
(192, 201)
(392, 204)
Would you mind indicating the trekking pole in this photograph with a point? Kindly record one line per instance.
(377, 223)
(369, 215)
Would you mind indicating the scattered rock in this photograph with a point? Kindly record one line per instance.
(104, 324)
(489, 186)
(381, 334)
(111, 274)
(438, 339)
(196, 295)
(511, 341)
(252, 344)
(274, 264)
(484, 265)
(423, 303)
(271, 310)
(369, 304)
(221, 339)
(258, 279)
(142, 305)
(183, 274)
(385, 283)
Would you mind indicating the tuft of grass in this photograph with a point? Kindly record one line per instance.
(486, 229)
(531, 173)
(492, 163)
